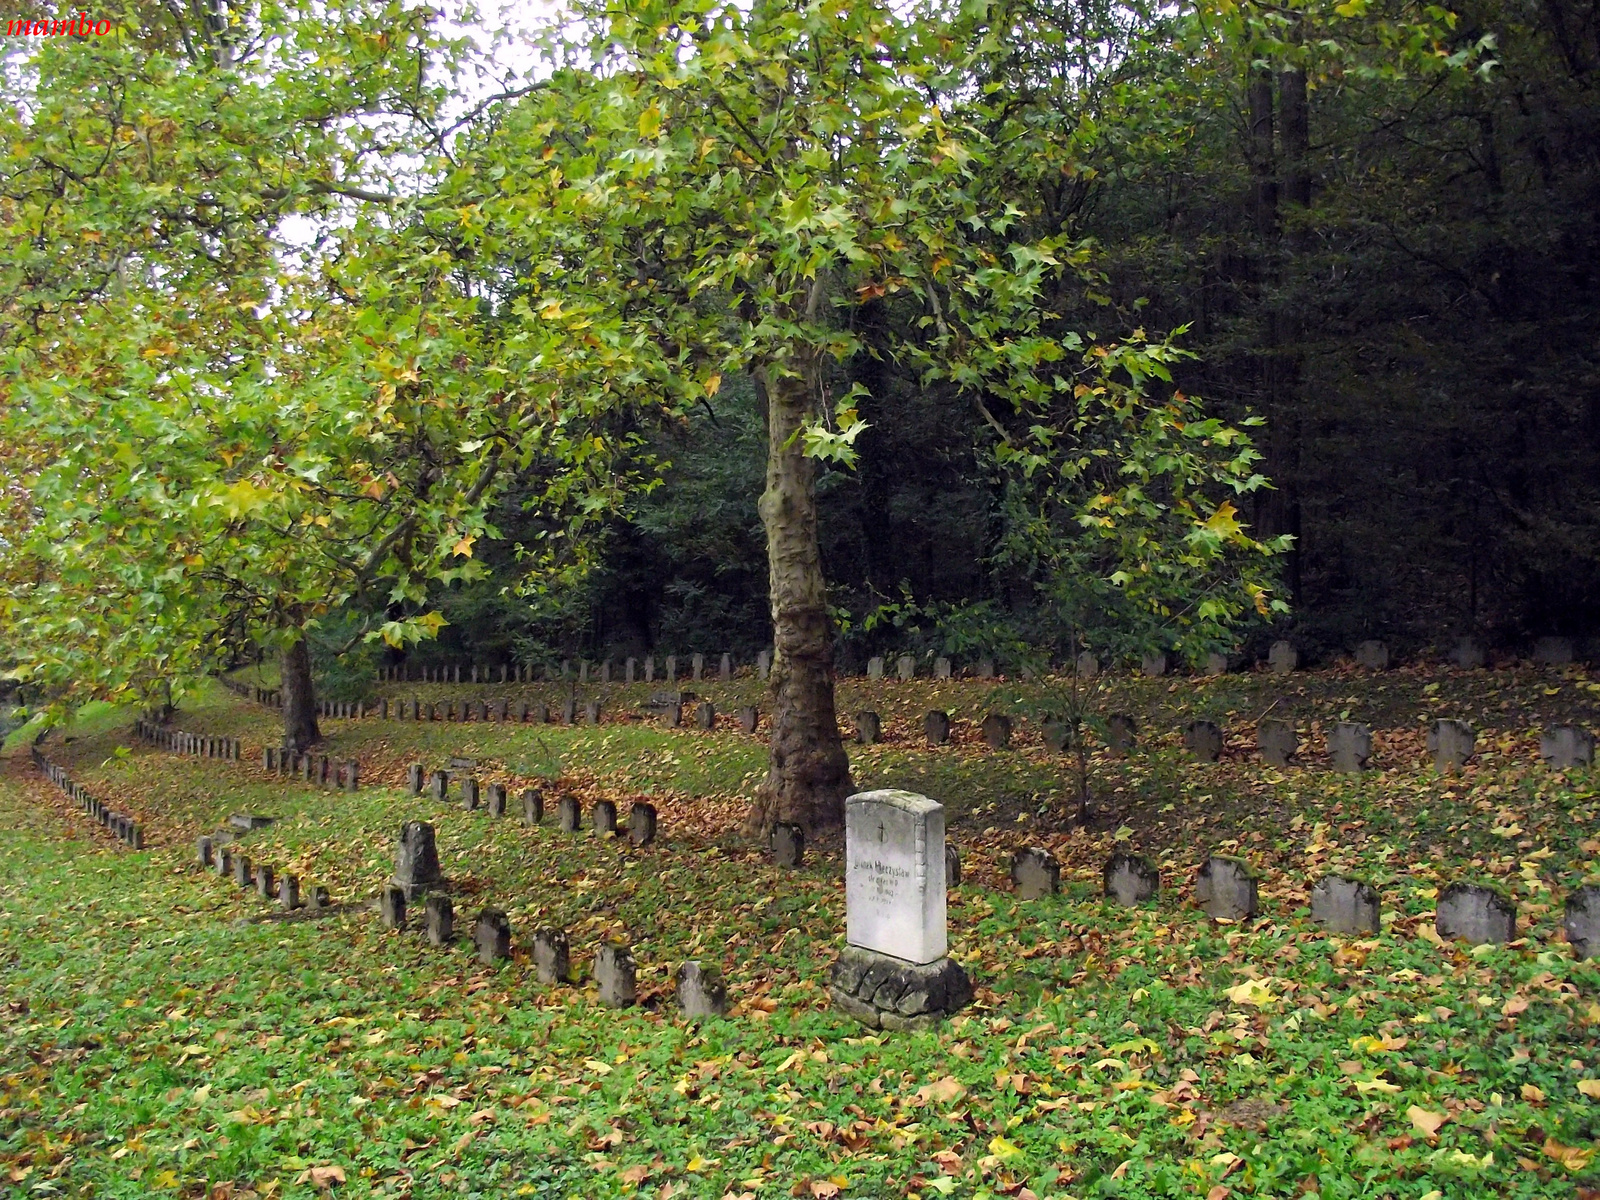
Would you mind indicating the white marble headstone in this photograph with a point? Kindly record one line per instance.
(895, 887)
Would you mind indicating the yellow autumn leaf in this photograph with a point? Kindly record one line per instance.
(1427, 1123)
(650, 122)
(1375, 1085)
(713, 383)
(1003, 1150)
(1535, 1094)
(1251, 991)
(1573, 1158)
(1590, 1088)
(1224, 522)
(464, 546)
(946, 1091)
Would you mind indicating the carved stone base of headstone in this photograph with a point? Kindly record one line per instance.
(1567, 746)
(936, 727)
(869, 730)
(491, 933)
(788, 845)
(616, 976)
(571, 814)
(642, 824)
(1277, 741)
(952, 866)
(1451, 743)
(1350, 746)
(440, 921)
(603, 819)
(1283, 657)
(883, 992)
(1203, 739)
(701, 992)
(1345, 906)
(392, 907)
(1582, 922)
(1373, 655)
(532, 806)
(1476, 914)
(1226, 889)
(749, 715)
(416, 860)
(1130, 879)
(552, 959)
(1468, 655)
(997, 731)
(1552, 651)
(1122, 733)
(1035, 872)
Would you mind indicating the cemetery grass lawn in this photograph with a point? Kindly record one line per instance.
(161, 1037)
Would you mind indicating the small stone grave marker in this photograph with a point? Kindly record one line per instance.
(222, 860)
(875, 667)
(1350, 746)
(1129, 879)
(569, 711)
(491, 933)
(615, 974)
(869, 730)
(1123, 734)
(1476, 914)
(936, 727)
(764, 663)
(265, 884)
(603, 818)
(1345, 906)
(749, 715)
(1582, 921)
(705, 715)
(552, 959)
(1203, 739)
(1154, 666)
(906, 667)
(1468, 655)
(414, 779)
(788, 845)
(725, 667)
(497, 799)
(1035, 873)
(1283, 658)
(469, 794)
(243, 876)
(439, 921)
(1086, 665)
(591, 712)
(941, 668)
(203, 850)
(1226, 889)
(392, 907)
(1277, 741)
(1057, 734)
(288, 893)
(642, 824)
(1566, 746)
(701, 992)
(985, 668)
(571, 815)
(1373, 655)
(997, 731)
(952, 865)
(1552, 651)
(1216, 664)
(1451, 743)
(439, 785)
(532, 806)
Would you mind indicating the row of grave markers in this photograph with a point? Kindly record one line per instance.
(633, 670)
(123, 827)
(178, 742)
(261, 877)
(1226, 889)
(641, 827)
(319, 769)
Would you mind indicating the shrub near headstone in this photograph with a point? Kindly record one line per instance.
(552, 958)
(1581, 921)
(1130, 879)
(1226, 889)
(936, 727)
(701, 992)
(1035, 873)
(1451, 743)
(1350, 746)
(1566, 746)
(1277, 741)
(896, 973)
(1476, 914)
(1345, 906)
(1203, 739)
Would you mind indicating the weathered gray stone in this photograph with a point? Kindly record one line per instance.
(1035, 873)
(1154, 665)
(875, 667)
(532, 806)
(266, 885)
(1086, 665)
(672, 668)
(1130, 879)
(222, 861)
(202, 847)
(906, 667)
(439, 785)
(1582, 921)
(952, 865)
(984, 668)
(1373, 655)
(1350, 746)
(392, 907)
(248, 821)
(491, 933)
(642, 824)
(497, 799)
(725, 666)
(439, 921)
(569, 711)
(603, 819)
(788, 845)
(997, 731)
(705, 715)
(764, 664)
(672, 716)
(1122, 734)
(936, 727)
(1567, 746)
(1057, 734)
(469, 794)
(628, 669)
(1203, 739)
(571, 814)
(869, 731)
(749, 717)
(1451, 743)
(1283, 657)
(941, 668)
(552, 959)
(1216, 664)
(1468, 655)
(888, 993)
(1345, 906)
(416, 859)
(591, 712)
(1277, 741)
(1553, 651)
(1476, 914)
(243, 876)
(701, 992)
(615, 974)
(319, 897)
(1226, 889)
(288, 893)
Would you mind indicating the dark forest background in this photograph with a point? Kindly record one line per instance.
(1398, 271)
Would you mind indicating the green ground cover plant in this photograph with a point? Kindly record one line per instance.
(167, 1034)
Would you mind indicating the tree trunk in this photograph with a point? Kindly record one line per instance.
(808, 775)
(1263, 161)
(299, 698)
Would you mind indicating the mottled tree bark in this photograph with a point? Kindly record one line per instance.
(808, 776)
(299, 698)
